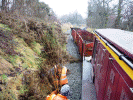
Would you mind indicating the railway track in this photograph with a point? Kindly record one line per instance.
(75, 78)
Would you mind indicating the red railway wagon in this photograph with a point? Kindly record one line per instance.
(84, 41)
(112, 62)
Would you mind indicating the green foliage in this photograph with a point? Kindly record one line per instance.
(5, 27)
(30, 37)
(24, 65)
(13, 59)
(7, 94)
(36, 47)
(4, 78)
(23, 89)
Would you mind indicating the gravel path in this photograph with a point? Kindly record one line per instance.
(75, 78)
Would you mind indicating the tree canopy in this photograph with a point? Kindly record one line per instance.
(73, 18)
(32, 8)
(105, 14)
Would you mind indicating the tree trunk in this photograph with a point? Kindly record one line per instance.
(117, 21)
(3, 4)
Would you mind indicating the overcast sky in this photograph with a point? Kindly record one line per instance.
(61, 7)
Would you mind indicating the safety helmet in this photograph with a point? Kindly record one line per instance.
(65, 90)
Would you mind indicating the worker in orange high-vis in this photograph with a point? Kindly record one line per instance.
(63, 95)
(59, 76)
(63, 78)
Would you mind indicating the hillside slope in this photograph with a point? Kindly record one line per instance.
(28, 49)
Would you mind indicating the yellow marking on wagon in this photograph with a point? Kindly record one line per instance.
(125, 67)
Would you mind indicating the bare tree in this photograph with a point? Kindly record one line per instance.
(3, 5)
(127, 19)
(98, 12)
(117, 21)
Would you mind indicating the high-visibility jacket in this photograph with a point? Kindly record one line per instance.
(63, 78)
(50, 97)
(56, 97)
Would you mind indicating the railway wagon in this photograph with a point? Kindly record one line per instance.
(112, 62)
(84, 41)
